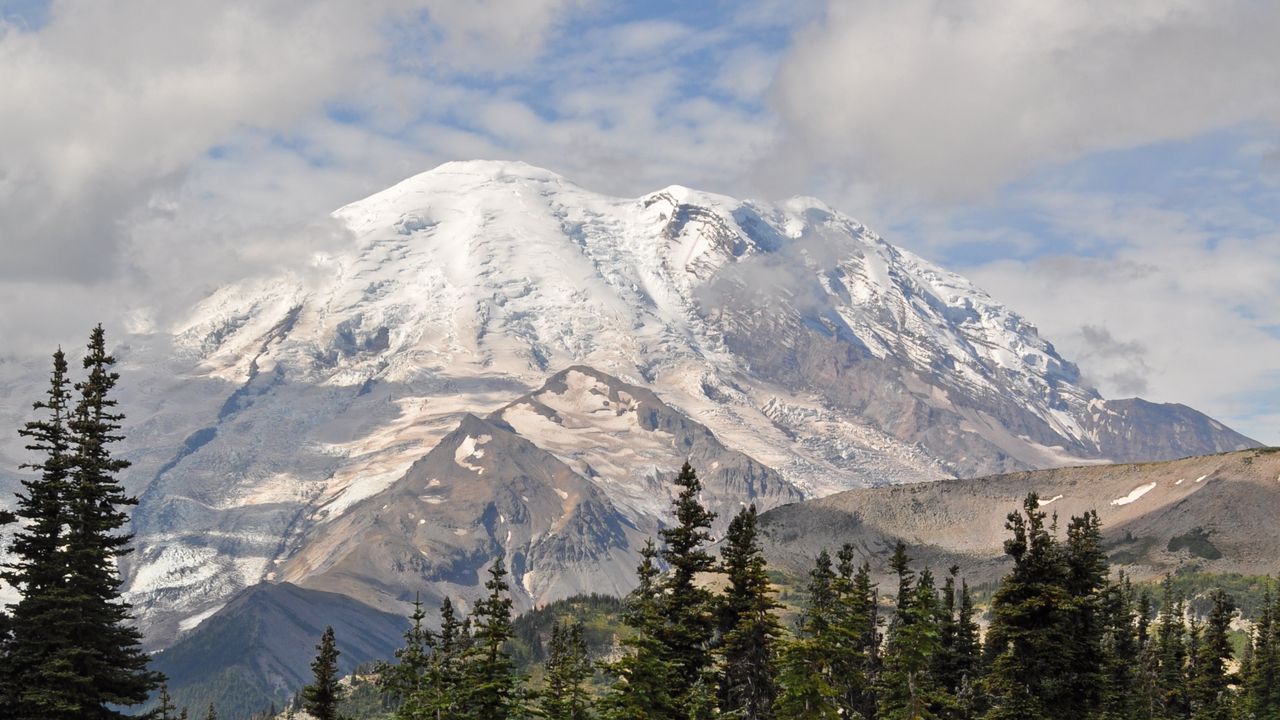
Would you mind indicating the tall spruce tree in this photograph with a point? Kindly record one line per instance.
(907, 689)
(1261, 683)
(41, 678)
(808, 690)
(404, 681)
(322, 696)
(567, 671)
(687, 607)
(1030, 672)
(856, 642)
(642, 684)
(1209, 688)
(748, 625)
(1087, 572)
(110, 659)
(491, 688)
(1171, 654)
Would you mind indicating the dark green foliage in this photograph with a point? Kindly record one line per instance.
(490, 686)
(40, 678)
(805, 666)
(403, 682)
(856, 629)
(1261, 679)
(1170, 648)
(567, 671)
(322, 696)
(73, 651)
(642, 688)
(1210, 694)
(908, 689)
(1030, 672)
(748, 626)
(687, 608)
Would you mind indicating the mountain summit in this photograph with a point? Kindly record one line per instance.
(595, 341)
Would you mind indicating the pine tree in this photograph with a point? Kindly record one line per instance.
(567, 671)
(748, 625)
(1030, 672)
(687, 608)
(1171, 653)
(1261, 684)
(212, 714)
(109, 661)
(642, 685)
(165, 709)
(490, 687)
(856, 629)
(1087, 572)
(404, 681)
(805, 672)
(322, 696)
(41, 676)
(907, 688)
(1119, 688)
(1209, 687)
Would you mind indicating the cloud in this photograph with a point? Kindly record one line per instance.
(951, 101)
(1160, 302)
(133, 129)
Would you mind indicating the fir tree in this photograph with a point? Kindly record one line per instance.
(1261, 683)
(489, 681)
(907, 688)
(1087, 572)
(749, 628)
(855, 661)
(212, 714)
(1030, 672)
(1119, 690)
(404, 681)
(440, 693)
(642, 685)
(41, 662)
(322, 696)
(805, 672)
(1209, 688)
(165, 709)
(567, 671)
(1171, 654)
(687, 608)
(109, 663)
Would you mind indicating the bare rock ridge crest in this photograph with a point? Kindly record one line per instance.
(502, 361)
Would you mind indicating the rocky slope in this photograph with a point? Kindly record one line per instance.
(1214, 513)
(820, 355)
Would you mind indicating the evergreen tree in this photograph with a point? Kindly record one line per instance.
(1119, 689)
(1210, 685)
(322, 696)
(567, 671)
(808, 691)
(856, 637)
(212, 714)
(1261, 683)
(489, 681)
(687, 608)
(41, 677)
(1171, 653)
(642, 688)
(1030, 672)
(1087, 572)
(405, 681)
(440, 694)
(109, 663)
(907, 689)
(748, 625)
(165, 709)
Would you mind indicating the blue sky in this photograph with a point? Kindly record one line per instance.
(1111, 171)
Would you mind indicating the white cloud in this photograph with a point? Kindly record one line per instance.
(1172, 310)
(947, 101)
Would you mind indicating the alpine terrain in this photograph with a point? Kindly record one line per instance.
(500, 361)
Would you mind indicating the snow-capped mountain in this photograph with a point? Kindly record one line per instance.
(270, 428)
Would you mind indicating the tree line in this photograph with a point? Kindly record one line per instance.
(1064, 641)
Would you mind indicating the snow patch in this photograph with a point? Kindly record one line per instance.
(191, 622)
(1042, 503)
(1202, 477)
(470, 449)
(1135, 494)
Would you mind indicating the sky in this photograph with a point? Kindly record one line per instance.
(1109, 170)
